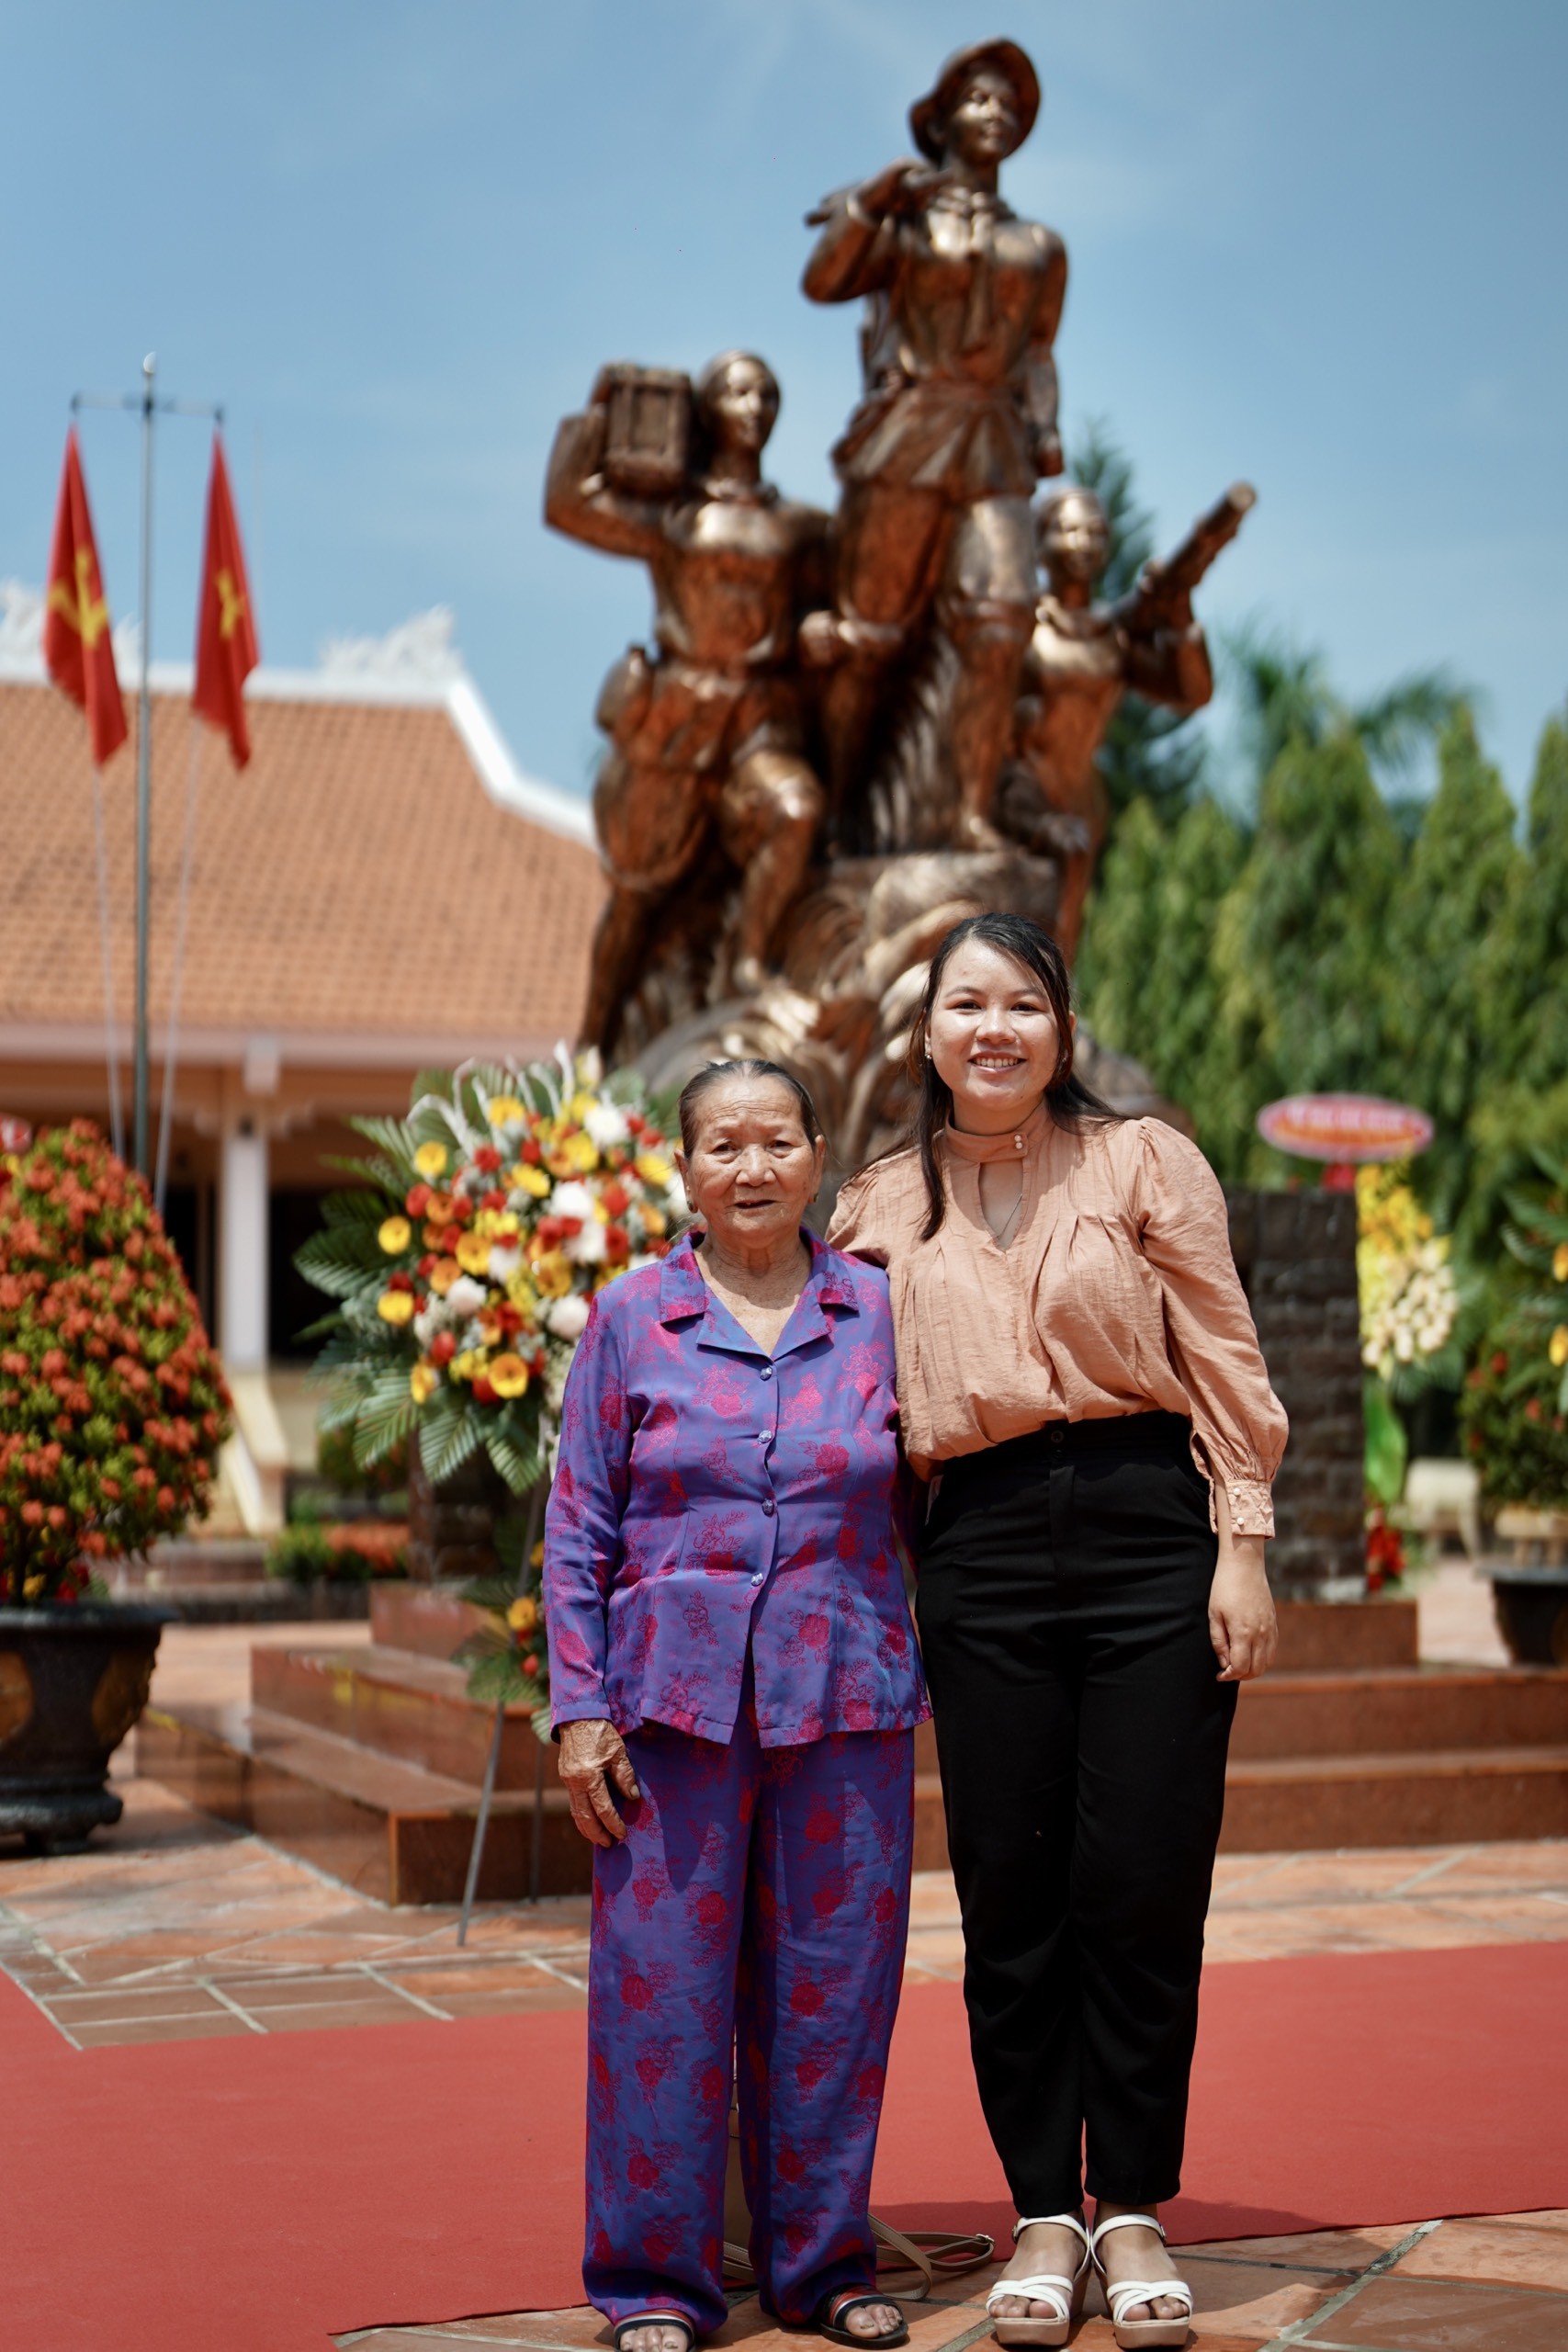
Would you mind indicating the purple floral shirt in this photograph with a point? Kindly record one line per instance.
(709, 1498)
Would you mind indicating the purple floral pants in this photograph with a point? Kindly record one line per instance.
(755, 1916)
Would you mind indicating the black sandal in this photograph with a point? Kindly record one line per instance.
(667, 2319)
(831, 2309)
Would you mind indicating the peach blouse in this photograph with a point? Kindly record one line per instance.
(1118, 1293)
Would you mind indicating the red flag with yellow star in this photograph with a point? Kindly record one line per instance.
(226, 650)
(78, 650)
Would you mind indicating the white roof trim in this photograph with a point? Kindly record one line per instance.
(79, 1041)
(508, 784)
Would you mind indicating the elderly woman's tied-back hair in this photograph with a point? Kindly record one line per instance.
(1069, 1102)
(719, 1073)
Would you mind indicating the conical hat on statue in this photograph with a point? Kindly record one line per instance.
(928, 116)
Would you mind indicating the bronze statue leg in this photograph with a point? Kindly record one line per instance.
(651, 823)
(769, 814)
(987, 609)
(890, 543)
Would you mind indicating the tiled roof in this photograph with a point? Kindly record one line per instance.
(357, 880)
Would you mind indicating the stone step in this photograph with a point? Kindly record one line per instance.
(1450, 1796)
(399, 1704)
(1390, 1709)
(391, 1831)
(1305, 1804)
(1315, 1637)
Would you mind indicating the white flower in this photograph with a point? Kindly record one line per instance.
(503, 1264)
(567, 1316)
(586, 1248)
(675, 1199)
(572, 1200)
(467, 1296)
(433, 1316)
(607, 1125)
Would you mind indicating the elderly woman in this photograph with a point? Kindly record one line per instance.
(1082, 1385)
(736, 1686)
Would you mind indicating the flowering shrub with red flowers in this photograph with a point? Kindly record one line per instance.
(112, 1405)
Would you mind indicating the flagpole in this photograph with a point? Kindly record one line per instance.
(144, 778)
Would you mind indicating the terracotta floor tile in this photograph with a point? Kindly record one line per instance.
(1399, 2314)
(517, 2003)
(1520, 2252)
(166, 2001)
(1325, 2251)
(1540, 1862)
(380, 2009)
(298, 1991)
(464, 1976)
(203, 2029)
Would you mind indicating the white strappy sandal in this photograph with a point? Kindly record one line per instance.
(1065, 2295)
(1132, 2334)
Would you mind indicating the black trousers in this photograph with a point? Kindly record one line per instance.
(1062, 1601)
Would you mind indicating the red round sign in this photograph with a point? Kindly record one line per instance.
(1344, 1127)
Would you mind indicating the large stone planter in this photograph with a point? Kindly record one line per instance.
(74, 1678)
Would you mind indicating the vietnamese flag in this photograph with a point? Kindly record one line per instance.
(78, 650)
(226, 650)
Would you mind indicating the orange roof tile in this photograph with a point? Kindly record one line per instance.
(356, 881)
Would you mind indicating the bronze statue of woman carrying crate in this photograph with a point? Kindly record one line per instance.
(705, 733)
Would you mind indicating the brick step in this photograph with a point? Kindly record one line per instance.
(391, 1831)
(399, 1704)
(1380, 1710)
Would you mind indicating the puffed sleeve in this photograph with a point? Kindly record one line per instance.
(856, 1226)
(1236, 1419)
(582, 1521)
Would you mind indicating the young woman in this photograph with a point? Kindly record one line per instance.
(1080, 1382)
(735, 1683)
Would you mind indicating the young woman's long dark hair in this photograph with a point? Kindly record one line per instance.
(1068, 1100)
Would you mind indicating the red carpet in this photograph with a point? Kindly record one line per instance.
(262, 2194)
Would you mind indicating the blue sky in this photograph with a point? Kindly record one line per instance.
(1324, 245)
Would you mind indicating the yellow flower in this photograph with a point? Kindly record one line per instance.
(655, 1220)
(423, 1382)
(509, 1375)
(31, 1587)
(443, 1274)
(395, 1306)
(464, 1365)
(538, 1554)
(505, 1111)
(523, 1613)
(652, 1169)
(473, 1253)
(1558, 1350)
(1560, 1262)
(495, 1225)
(552, 1274)
(579, 1106)
(395, 1235)
(431, 1161)
(530, 1180)
(521, 1292)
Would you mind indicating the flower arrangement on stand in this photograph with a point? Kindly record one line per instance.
(1410, 1304)
(112, 1404)
(463, 1263)
(1514, 1412)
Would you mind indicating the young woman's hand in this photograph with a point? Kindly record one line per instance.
(1242, 1625)
(593, 1754)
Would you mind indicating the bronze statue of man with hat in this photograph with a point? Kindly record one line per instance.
(957, 422)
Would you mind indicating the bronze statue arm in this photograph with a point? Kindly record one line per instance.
(858, 247)
(579, 500)
(1042, 387)
(1170, 665)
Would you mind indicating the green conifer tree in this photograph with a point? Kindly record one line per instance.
(1462, 871)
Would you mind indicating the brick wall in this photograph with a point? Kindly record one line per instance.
(1296, 1255)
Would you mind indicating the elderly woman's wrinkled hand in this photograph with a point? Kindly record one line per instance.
(594, 1754)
